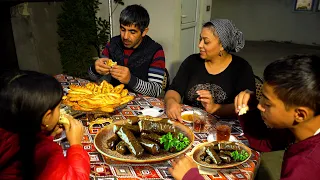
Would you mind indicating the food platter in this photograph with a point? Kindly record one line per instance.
(200, 149)
(105, 133)
(97, 98)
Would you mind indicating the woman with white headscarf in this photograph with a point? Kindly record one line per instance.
(212, 78)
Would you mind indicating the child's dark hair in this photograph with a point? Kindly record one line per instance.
(296, 80)
(135, 15)
(25, 96)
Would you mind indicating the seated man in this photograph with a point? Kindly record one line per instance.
(140, 60)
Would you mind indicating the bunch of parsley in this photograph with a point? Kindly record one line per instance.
(179, 142)
(243, 155)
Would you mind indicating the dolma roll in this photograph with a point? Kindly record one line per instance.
(131, 142)
(133, 120)
(121, 148)
(208, 160)
(151, 136)
(112, 141)
(225, 158)
(155, 127)
(228, 153)
(213, 155)
(203, 156)
(133, 128)
(150, 146)
(229, 147)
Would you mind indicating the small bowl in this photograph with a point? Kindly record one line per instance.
(187, 116)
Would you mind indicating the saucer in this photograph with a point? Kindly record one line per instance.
(212, 137)
(153, 112)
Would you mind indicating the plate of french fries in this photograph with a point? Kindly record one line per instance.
(97, 98)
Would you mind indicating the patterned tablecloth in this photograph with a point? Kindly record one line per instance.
(103, 168)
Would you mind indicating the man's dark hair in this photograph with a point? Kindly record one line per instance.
(135, 15)
(296, 80)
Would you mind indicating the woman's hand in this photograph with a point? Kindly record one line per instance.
(181, 166)
(242, 100)
(207, 102)
(74, 131)
(173, 110)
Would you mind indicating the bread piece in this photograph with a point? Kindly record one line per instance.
(111, 63)
(126, 99)
(63, 117)
(80, 89)
(124, 92)
(243, 110)
(118, 88)
(107, 109)
(79, 108)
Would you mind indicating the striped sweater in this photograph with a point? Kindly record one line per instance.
(152, 87)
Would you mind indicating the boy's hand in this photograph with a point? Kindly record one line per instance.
(242, 100)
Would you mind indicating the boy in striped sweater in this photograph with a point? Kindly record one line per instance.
(140, 60)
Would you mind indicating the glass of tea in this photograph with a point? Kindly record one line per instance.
(199, 120)
(223, 131)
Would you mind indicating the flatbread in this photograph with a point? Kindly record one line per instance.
(243, 110)
(63, 117)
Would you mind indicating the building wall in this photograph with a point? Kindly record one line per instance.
(270, 20)
(35, 34)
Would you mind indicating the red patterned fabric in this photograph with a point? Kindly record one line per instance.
(49, 160)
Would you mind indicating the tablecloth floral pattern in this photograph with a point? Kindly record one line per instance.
(103, 168)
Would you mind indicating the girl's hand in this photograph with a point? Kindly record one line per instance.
(57, 130)
(74, 131)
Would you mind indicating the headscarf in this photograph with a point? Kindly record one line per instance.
(231, 38)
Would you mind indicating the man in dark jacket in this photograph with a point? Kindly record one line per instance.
(140, 60)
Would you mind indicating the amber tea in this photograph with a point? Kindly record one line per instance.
(223, 132)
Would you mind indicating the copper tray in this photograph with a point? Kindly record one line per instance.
(107, 131)
(199, 149)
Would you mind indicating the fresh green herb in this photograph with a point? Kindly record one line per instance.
(243, 155)
(179, 142)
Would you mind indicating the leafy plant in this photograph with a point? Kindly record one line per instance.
(243, 155)
(82, 34)
(179, 142)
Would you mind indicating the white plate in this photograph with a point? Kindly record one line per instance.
(154, 112)
(187, 112)
(62, 136)
(212, 137)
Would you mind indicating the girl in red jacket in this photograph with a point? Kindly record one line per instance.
(29, 111)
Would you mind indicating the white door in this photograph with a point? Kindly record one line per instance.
(189, 28)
